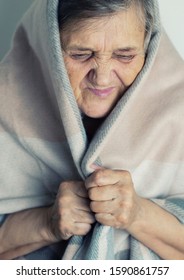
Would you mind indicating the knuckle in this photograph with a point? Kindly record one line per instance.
(63, 213)
(65, 229)
(98, 175)
(66, 234)
(78, 230)
(64, 186)
(126, 205)
(126, 175)
(87, 229)
(123, 219)
(129, 208)
(124, 191)
(64, 202)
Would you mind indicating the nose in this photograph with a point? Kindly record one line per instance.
(100, 74)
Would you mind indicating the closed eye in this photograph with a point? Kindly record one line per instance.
(124, 58)
(81, 56)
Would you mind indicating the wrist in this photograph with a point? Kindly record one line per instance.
(49, 230)
(139, 220)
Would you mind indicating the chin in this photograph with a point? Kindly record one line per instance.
(97, 114)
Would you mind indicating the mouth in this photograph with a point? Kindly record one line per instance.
(101, 92)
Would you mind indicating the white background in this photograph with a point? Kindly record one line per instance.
(172, 14)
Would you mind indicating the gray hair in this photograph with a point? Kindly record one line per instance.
(70, 12)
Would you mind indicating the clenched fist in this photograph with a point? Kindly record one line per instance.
(113, 198)
(71, 213)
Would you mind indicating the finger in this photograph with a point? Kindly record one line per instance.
(76, 187)
(75, 215)
(75, 229)
(104, 177)
(84, 217)
(81, 204)
(100, 177)
(70, 203)
(107, 219)
(108, 207)
(103, 193)
(81, 229)
(80, 190)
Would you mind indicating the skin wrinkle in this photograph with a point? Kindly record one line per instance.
(101, 67)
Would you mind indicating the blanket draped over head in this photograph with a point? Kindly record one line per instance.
(43, 141)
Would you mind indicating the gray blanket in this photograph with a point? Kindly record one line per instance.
(43, 141)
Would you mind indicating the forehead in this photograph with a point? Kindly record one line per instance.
(117, 30)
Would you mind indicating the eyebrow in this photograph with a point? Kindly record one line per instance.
(79, 48)
(127, 49)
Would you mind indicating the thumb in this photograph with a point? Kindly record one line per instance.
(96, 167)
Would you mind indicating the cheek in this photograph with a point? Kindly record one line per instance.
(76, 73)
(130, 72)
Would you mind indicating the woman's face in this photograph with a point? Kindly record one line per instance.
(102, 58)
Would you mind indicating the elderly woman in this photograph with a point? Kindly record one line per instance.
(92, 134)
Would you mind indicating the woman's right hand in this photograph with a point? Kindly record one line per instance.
(70, 214)
(29, 230)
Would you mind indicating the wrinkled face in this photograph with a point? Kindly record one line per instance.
(103, 58)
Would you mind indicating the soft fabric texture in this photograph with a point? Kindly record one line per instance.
(43, 141)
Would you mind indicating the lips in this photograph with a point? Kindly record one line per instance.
(102, 92)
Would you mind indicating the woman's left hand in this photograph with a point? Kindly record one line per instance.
(113, 198)
(115, 203)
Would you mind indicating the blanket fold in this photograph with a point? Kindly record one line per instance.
(43, 140)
